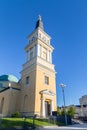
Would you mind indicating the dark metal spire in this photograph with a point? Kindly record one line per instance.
(39, 23)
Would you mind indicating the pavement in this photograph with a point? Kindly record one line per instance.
(82, 126)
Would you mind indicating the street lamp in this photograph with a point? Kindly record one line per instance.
(63, 86)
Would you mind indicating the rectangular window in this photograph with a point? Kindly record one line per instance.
(31, 53)
(27, 79)
(46, 80)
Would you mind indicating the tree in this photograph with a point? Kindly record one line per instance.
(71, 111)
(63, 112)
(58, 111)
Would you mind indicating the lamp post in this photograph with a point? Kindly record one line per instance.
(63, 86)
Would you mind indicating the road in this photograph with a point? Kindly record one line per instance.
(82, 126)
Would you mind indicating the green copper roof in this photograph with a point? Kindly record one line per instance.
(10, 78)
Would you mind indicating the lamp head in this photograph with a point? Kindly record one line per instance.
(62, 85)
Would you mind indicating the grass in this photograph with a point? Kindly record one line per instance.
(19, 122)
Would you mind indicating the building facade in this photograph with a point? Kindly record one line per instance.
(83, 103)
(80, 110)
(9, 94)
(35, 93)
(83, 100)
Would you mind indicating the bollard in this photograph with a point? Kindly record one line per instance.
(25, 127)
(34, 121)
(0, 119)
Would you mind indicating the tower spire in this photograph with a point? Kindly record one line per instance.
(39, 23)
(39, 17)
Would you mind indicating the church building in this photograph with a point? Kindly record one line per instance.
(35, 92)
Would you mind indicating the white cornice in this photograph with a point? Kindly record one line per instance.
(36, 31)
(47, 92)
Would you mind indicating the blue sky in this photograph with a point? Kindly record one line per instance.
(66, 22)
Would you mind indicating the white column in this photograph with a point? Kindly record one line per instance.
(52, 106)
(38, 50)
(48, 55)
(41, 51)
(42, 107)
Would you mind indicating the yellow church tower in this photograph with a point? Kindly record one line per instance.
(38, 94)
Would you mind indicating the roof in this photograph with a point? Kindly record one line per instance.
(3, 89)
(10, 78)
(39, 23)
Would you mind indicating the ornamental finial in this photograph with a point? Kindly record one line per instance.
(39, 17)
(39, 23)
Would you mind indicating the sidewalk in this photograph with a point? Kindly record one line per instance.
(75, 126)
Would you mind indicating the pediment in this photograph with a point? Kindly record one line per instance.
(48, 92)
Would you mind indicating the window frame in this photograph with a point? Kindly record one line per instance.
(27, 80)
(46, 80)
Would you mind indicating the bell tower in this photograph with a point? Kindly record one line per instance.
(38, 95)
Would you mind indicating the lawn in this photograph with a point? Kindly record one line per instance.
(20, 122)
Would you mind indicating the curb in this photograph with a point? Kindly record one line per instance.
(55, 126)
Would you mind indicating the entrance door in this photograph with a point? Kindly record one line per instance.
(47, 108)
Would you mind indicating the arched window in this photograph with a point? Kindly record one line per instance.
(2, 105)
(25, 102)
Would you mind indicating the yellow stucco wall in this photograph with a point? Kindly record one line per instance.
(40, 85)
(10, 101)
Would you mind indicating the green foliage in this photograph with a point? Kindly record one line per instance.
(17, 114)
(58, 111)
(63, 112)
(71, 111)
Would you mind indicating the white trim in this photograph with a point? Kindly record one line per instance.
(48, 92)
(38, 49)
(48, 59)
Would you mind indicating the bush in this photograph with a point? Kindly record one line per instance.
(17, 114)
(71, 111)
